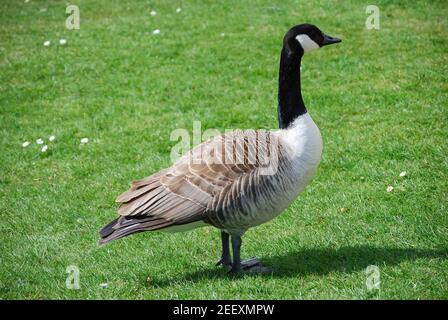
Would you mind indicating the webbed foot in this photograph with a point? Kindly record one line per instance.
(251, 266)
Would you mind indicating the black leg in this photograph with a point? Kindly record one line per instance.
(252, 265)
(225, 257)
(236, 248)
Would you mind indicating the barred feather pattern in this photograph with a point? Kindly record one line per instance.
(233, 181)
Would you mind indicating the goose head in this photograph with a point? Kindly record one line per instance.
(304, 38)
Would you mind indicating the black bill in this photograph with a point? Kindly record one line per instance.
(330, 40)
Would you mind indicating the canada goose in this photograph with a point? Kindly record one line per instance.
(237, 180)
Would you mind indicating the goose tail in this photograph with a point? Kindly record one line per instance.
(125, 226)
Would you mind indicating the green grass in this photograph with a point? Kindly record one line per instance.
(379, 98)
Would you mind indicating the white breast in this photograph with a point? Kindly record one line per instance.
(303, 143)
(303, 140)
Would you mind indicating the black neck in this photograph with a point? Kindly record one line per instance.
(290, 102)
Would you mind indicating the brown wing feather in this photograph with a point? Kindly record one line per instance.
(196, 184)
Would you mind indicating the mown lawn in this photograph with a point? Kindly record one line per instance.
(379, 98)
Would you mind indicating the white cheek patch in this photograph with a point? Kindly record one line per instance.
(306, 43)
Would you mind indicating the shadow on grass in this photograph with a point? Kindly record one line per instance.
(321, 262)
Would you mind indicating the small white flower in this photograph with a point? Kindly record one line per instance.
(25, 144)
(47, 43)
(44, 148)
(222, 34)
(40, 141)
(26, 1)
(157, 31)
(390, 189)
(62, 42)
(51, 138)
(178, 10)
(153, 13)
(84, 140)
(103, 285)
(402, 174)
